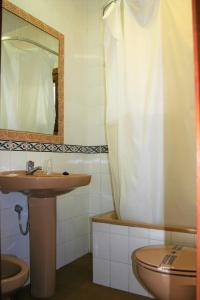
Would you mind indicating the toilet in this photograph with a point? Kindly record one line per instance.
(168, 272)
(14, 273)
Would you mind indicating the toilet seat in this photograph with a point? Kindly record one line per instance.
(14, 274)
(171, 260)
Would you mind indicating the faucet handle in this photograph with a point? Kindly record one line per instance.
(29, 165)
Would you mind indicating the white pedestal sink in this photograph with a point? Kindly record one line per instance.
(42, 190)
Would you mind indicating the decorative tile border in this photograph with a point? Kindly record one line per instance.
(6, 145)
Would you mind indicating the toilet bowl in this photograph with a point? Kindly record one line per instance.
(168, 272)
(14, 273)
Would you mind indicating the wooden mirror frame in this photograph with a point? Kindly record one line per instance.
(32, 136)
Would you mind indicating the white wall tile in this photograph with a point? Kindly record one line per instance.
(83, 204)
(101, 227)
(80, 226)
(5, 201)
(3, 245)
(135, 285)
(80, 203)
(156, 242)
(10, 244)
(101, 271)
(92, 163)
(67, 230)
(8, 201)
(18, 245)
(119, 229)
(160, 238)
(81, 189)
(22, 246)
(101, 245)
(95, 205)
(75, 228)
(106, 187)
(59, 232)
(19, 198)
(81, 246)
(119, 248)
(135, 243)
(9, 223)
(59, 211)
(138, 232)
(158, 235)
(59, 161)
(69, 206)
(68, 252)
(119, 276)
(59, 256)
(5, 160)
(18, 160)
(105, 164)
(73, 162)
(95, 183)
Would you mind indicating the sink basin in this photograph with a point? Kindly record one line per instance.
(40, 183)
(41, 190)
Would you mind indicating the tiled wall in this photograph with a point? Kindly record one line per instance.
(73, 209)
(113, 246)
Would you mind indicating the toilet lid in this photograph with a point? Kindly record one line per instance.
(168, 258)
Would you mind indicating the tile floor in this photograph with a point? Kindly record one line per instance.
(74, 282)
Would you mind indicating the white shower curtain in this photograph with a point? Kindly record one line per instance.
(150, 110)
(27, 96)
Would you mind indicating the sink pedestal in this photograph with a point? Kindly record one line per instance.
(42, 217)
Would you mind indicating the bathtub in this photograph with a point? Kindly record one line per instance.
(114, 241)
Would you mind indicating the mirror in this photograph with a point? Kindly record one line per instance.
(31, 103)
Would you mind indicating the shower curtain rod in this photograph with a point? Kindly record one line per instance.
(28, 41)
(107, 5)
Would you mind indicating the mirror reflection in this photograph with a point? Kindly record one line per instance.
(29, 77)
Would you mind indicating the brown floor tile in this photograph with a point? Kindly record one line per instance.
(74, 282)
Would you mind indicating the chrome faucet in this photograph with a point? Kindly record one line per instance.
(30, 170)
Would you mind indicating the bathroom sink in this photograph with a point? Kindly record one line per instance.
(40, 183)
(41, 190)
